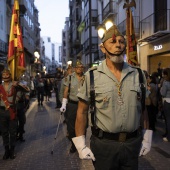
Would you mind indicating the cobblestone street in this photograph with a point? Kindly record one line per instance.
(41, 126)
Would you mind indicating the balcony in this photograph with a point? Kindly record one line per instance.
(76, 43)
(3, 47)
(79, 51)
(122, 26)
(94, 17)
(8, 2)
(27, 45)
(109, 10)
(94, 45)
(99, 20)
(155, 26)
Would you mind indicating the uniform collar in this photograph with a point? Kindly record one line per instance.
(126, 70)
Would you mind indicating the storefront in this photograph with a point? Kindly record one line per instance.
(152, 53)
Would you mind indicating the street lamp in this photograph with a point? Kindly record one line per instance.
(108, 24)
(101, 31)
(37, 56)
(103, 28)
(69, 63)
(44, 67)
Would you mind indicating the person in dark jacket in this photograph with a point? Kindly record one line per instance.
(40, 91)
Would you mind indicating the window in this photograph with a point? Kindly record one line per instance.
(49, 39)
(160, 15)
(2, 22)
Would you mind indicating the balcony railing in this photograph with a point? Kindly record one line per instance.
(3, 47)
(99, 19)
(156, 22)
(122, 26)
(110, 9)
(94, 43)
(94, 19)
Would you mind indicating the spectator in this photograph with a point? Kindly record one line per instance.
(165, 92)
(32, 87)
(40, 91)
(152, 108)
(47, 89)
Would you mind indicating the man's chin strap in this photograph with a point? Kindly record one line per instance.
(113, 53)
(6, 79)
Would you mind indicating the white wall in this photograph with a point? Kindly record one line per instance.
(147, 8)
(57, 45)
(48, 47)
(121, 13)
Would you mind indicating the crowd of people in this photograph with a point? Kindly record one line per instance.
(121, 128)
(15, 101)
(157, 100)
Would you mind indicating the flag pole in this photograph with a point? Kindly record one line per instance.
(16, 59)
(15, 39)
(131, 50)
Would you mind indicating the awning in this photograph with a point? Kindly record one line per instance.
(154, 36)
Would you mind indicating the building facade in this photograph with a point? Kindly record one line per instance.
(154, 34)
(5, 11)
(30, 30)
(151, 24)
(65, 48)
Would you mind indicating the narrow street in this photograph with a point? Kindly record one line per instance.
(41, 126)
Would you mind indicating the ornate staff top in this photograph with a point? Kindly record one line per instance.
(129, 4)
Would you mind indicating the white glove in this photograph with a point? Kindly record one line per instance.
(63, 107)
(146, 143)
(83, 150)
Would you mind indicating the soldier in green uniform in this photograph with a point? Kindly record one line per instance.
(63, 81)
(116, 136)
(22, 106)
(72, 86)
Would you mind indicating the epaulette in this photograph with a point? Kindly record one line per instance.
(93, 68)
(133, 66)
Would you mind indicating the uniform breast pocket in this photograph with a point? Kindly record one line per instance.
(103, 95)
(135, 96)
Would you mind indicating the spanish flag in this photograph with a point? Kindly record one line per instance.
(131, 50)
(16, 59)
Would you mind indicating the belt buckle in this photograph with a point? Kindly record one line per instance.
(122, 137)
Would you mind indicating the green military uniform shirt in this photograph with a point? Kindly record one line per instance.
(61, 93)
(74, 86)
(111, 116)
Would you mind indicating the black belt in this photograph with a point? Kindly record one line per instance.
(4, 108)
(20, 101)
(73, 102)
(121, 137)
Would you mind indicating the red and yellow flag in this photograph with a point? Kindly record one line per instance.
(131, 50)
(16, 59)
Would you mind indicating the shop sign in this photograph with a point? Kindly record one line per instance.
(158, 47)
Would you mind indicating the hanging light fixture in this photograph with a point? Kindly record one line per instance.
(108, 24)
